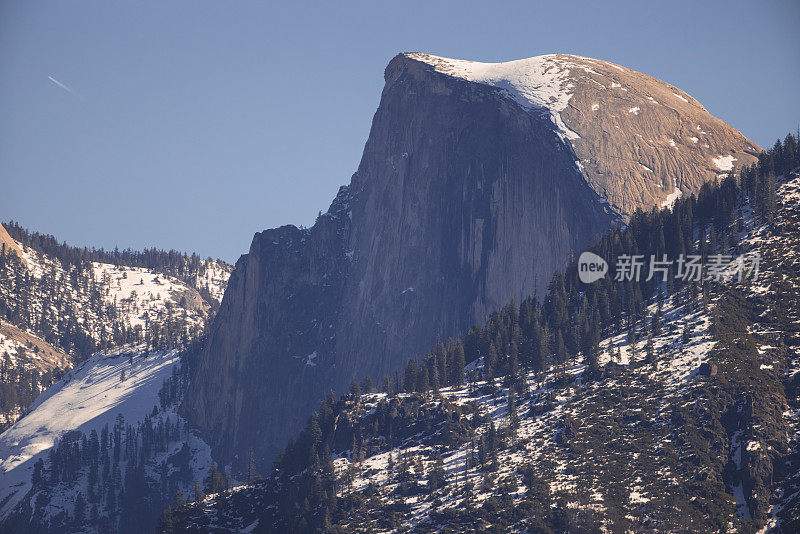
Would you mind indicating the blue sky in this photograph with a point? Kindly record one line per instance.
(192, 125)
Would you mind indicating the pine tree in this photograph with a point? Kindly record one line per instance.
(655, 324)
(457, 368)
(198, 491)
(355, 391)
(166, 521)
(649, 349)
(541, 347)
(178, 500)
(560, 348)
(387, 385)
(437, 477)
(410, 378)
(513, 416)
(367, 386)
(490, 363)
(79, 514)
(251, 467)
(423, 382)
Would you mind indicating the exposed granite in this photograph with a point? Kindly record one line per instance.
(462, 201)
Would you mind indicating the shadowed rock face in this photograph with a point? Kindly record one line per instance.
(465, 198)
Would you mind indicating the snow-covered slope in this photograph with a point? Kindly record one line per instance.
(72, 308)
(88, 398)
(25, 359)
(214, 278)
(141, 295)
(135, 294)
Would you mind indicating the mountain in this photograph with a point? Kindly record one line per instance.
(476, 183)
(115, 411)
(60, 304)
(92, 348)
(670, 405)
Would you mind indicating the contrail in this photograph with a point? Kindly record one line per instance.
(64, 87)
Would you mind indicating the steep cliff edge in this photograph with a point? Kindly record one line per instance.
(476, 183)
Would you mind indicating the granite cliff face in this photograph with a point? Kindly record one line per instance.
(476, 183)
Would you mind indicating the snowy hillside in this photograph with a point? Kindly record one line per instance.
(123, 382)
(63, 310)
(214, 278)
(142, 296)
(135, 296)
(29, 361)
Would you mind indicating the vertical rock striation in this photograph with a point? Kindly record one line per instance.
(477, 181)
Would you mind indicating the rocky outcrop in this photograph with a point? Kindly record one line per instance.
(7, 243)
(41, 355)
(475, 184)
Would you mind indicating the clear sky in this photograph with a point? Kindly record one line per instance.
(191, 125)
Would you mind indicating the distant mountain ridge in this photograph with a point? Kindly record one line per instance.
(59, 304)
(476, 183)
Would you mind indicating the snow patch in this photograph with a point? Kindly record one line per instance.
(671, 198)
(753, 446)
(538, 83)
(85, 399)
(724, 163)
(309, 359)
(636, 496)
